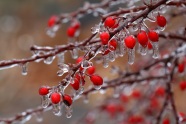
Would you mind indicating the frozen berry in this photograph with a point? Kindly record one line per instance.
(130, 42)
(55, 98)
(153, 36)
(96, 80)
(142, 38)
(67, 100)
(109, 22)
(91, 70)
(43, 90)
(161, 20)
(104, 36)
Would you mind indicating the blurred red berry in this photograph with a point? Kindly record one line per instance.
(149, 45)
(181, 67)
(79, 59)
(52, 21)
(166, 121)
(160, 91)
(182, 85)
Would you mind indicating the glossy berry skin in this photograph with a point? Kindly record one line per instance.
(52, 21)
(130, 42)
(153, 36)
(96, 80)
(161, 20)
(112, 45)
(55, 98)
(181, 67)
(75, 84)
(71, 32)
(182, 85)
(142, 38)
(43, 91)
(67, 100)
(166, 121)
(104, 36)
(109, 22)
(91, 70)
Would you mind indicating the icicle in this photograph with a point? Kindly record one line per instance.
(49, 60)
(68, 111)
(105, 61)
(24, 69)
(142, 50)
(122, 49)
(64, 68)
(44, 101)
(155, 50)
(39, 117)
(116, 92)
(131, 56)
(86, 99)
(74, 53)
(57, 109)
(112, 56)
(61, 58)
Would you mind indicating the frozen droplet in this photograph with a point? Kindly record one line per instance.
(50, 33)
(102, 91)
(155, 50)
(97, 87)
(45, 101)
(159, 29)
(86, 64)
(24, 69)
(64, 68)
(85, 99)
(68, 111)
(116, 92)
(49, 60)
(131, 56)
(39, 116)
(112, 56)
(95, 29)
(142, 50)
(61, 58)
(74, 53)
(56, 109)
(105, 61)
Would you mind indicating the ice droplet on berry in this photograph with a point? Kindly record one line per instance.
(131, 55)
(57, 109)
(44, 101)
(155, 50)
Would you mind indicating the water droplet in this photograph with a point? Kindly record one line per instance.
(105, 61)
(97, 87)
(49, 60)
(74, 53)
(68, 111)
(44, 101)
(155, 50)
(24, 69)
(56, 109)
(131, 56)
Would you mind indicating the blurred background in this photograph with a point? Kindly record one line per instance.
(22, 24)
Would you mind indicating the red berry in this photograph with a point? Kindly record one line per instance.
(52, 21)
(109, 22)
(67, 100)
(135, 119)
(55, 98)
(77, 76)
(112, 45)
(166, 121)
(154, 103)
(43, 90)
(111, 109)
(181, 67)
(104, 36)
(79, 59)
(91, 70)
(182, 85)
(71, 31)
(149, 45)
(96, 80)
(136, 94)
(153, 36)
(130, 42)
(75, 84)
(161, 20)
(160, 91)
(142, 38)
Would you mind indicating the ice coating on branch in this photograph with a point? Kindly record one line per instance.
(64, 68)
(49, 60)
